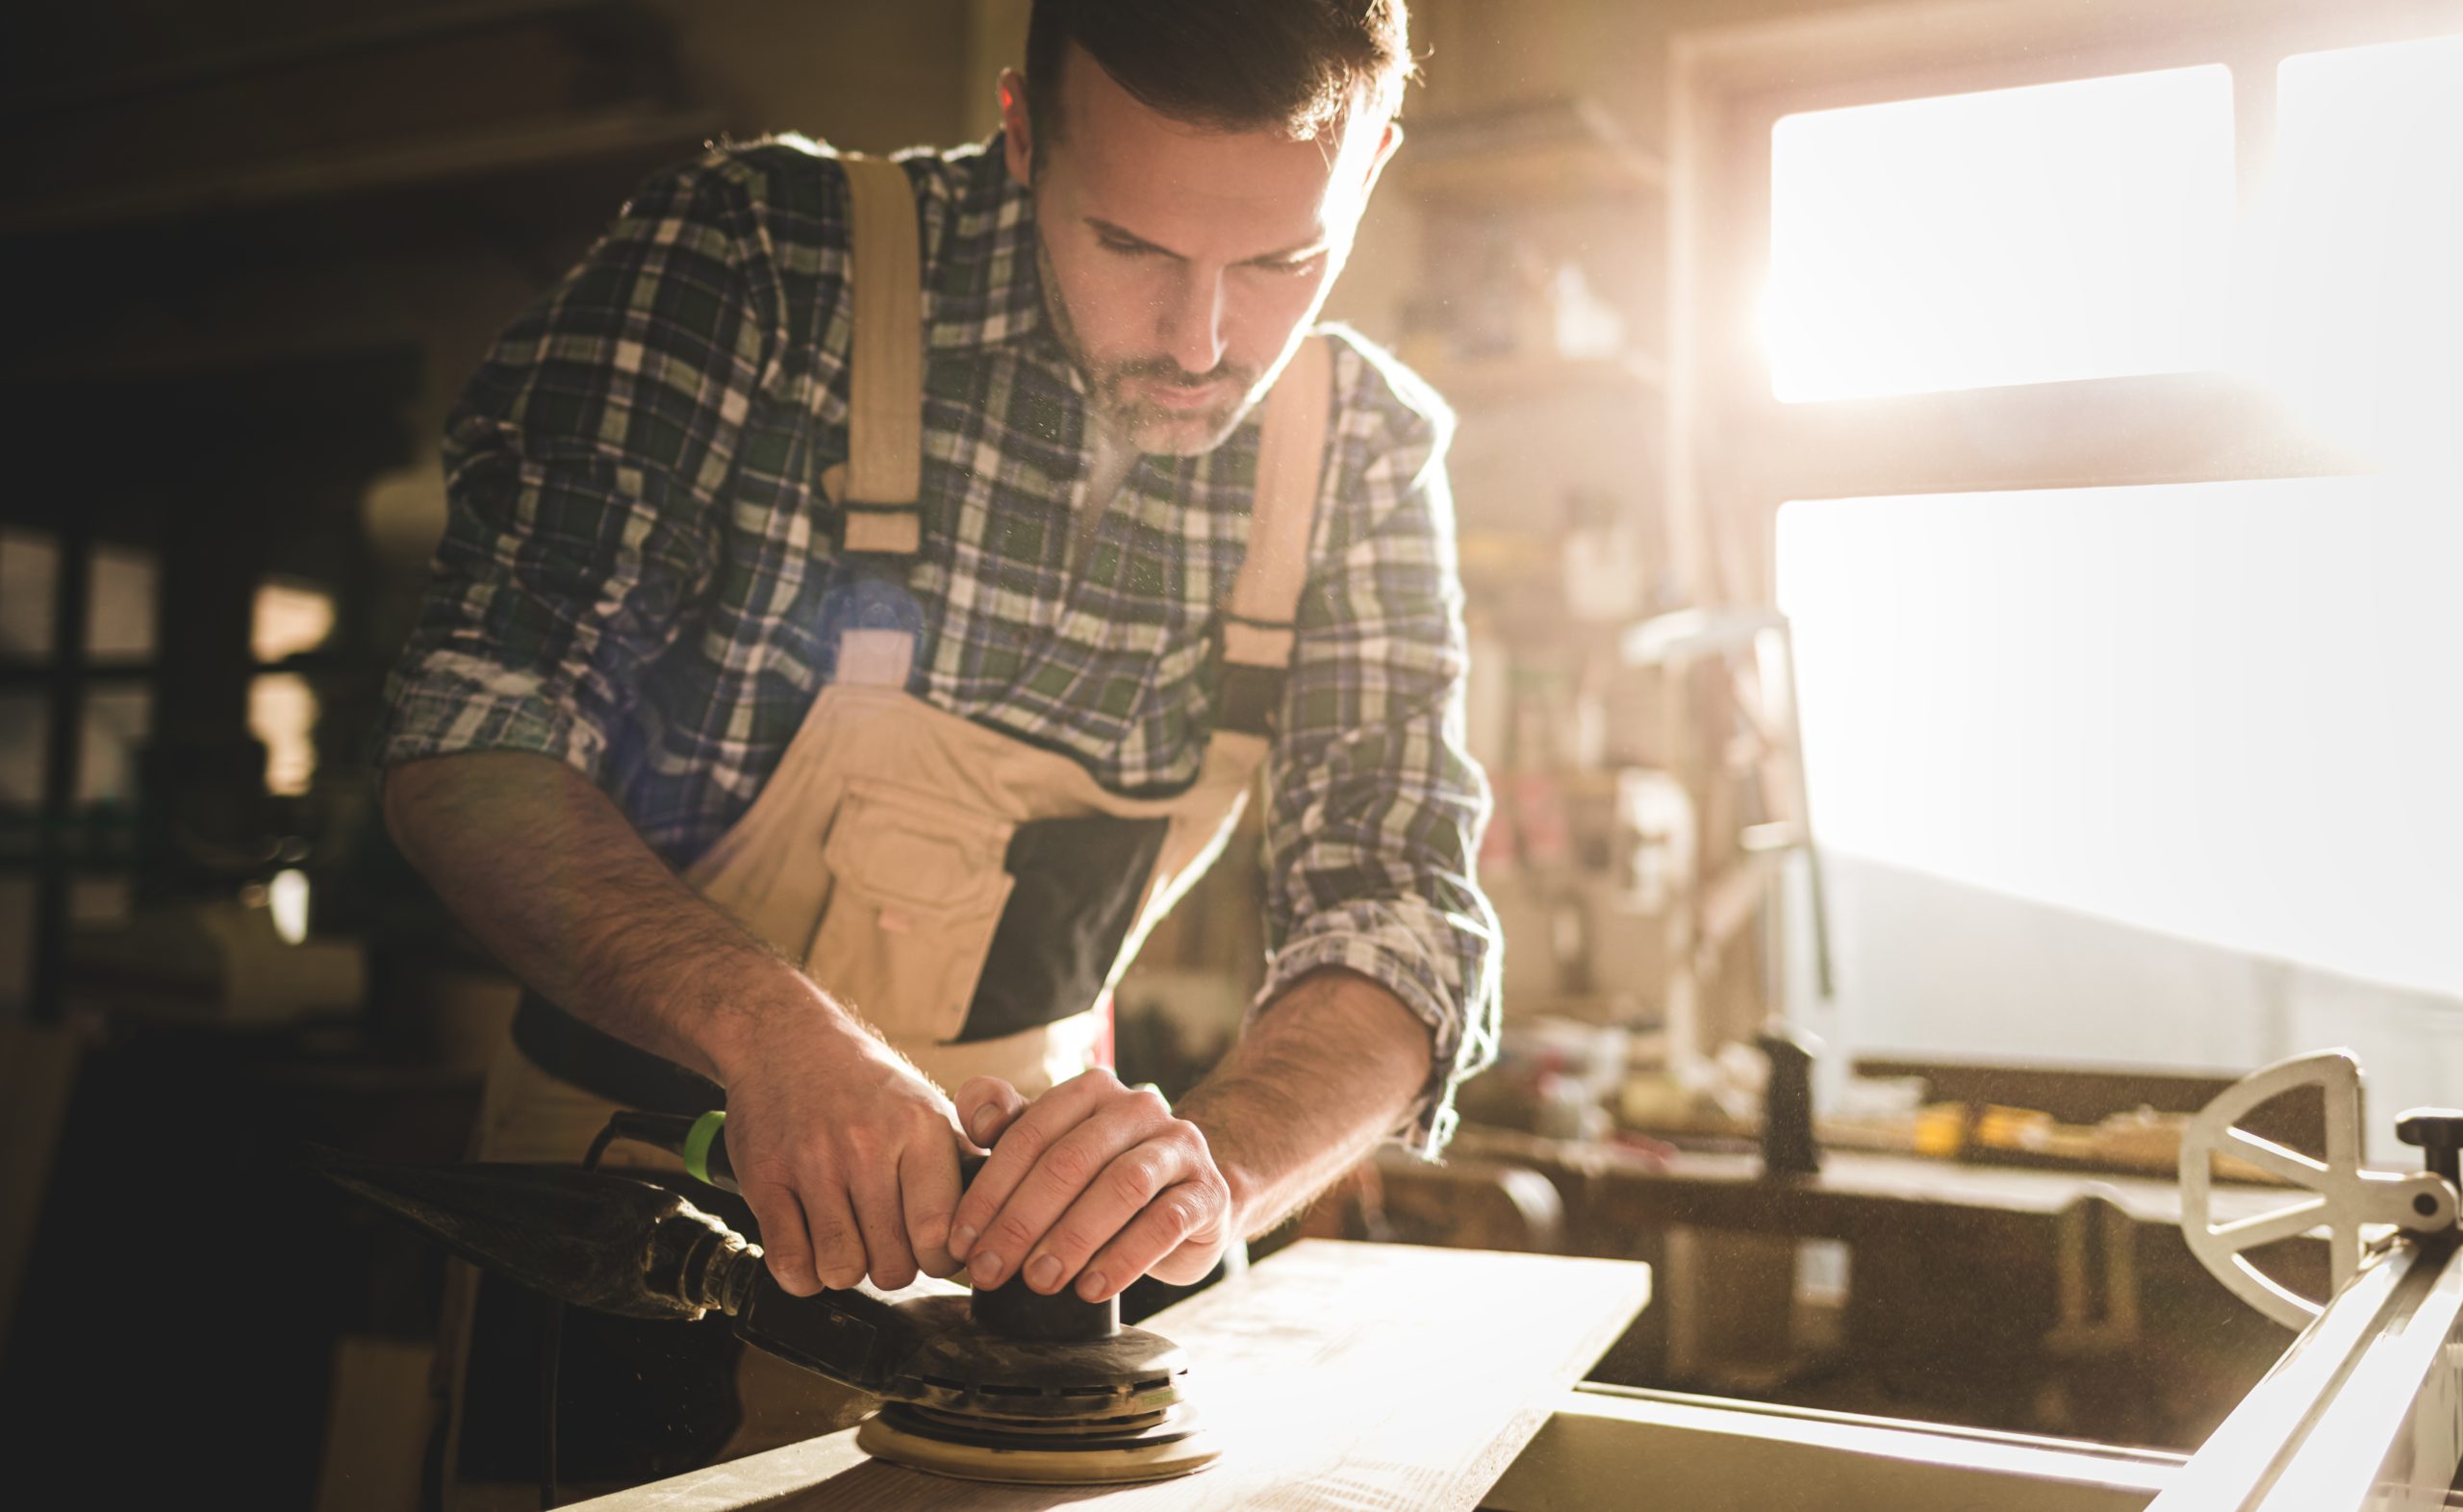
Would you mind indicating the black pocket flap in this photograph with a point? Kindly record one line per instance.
(1079, 882)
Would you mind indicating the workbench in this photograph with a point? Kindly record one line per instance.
(1349, 1377)
(2023, 1300)
(1855, 1194)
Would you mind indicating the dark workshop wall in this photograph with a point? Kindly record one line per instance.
(235, 221)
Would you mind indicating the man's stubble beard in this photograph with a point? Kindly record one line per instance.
(1147, 426)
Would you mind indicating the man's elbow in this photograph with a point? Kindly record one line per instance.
(404, 790)
(426, 796)
(418, 794)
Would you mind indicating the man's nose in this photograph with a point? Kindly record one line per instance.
(1193, 322)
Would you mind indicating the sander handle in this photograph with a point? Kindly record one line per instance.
(702, 1144)
(1011, 1310)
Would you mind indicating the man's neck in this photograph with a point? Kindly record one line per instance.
(1110, 455)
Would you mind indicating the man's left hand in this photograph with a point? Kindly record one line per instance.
(1093, 1181)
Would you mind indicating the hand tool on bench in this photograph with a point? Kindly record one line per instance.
(1003, 1384)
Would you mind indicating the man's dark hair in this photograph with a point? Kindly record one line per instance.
(1298, 66)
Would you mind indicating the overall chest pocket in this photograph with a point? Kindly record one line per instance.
(917, 889)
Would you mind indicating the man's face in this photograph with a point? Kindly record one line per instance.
(1181, 264)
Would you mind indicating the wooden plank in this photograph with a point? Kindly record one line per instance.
(1335, 1376)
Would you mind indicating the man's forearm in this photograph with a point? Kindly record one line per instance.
(538, 863)
(1322, 1076)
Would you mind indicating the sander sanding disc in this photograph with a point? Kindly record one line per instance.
(1041, 1459)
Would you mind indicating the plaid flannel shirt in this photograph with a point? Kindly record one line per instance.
(631, 573)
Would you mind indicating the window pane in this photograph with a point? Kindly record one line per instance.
(291, 619)
(118, 721)
(2076, 230)
(2368, 205)
(119, 619)
(25, 727)
(2222, 711)
(29, 575)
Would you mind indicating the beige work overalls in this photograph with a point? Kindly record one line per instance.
(874, 855)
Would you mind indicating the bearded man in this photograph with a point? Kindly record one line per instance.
(829, 677)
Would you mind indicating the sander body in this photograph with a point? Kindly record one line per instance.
(1002, 1385)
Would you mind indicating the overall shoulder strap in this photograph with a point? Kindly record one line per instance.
(1258, 622)
(882, 475)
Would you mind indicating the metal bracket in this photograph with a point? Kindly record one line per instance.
(2343, 1198)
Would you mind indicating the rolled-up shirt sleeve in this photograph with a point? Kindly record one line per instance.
(582, 464)
(1376, 805)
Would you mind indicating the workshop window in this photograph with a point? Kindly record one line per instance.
(2087, 697)
(73, 833)
(2126, 674)
(110, 694)
(2075, 229)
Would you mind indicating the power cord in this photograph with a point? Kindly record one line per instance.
(553, 1349)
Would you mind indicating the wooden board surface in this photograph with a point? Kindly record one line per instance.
(1336, 1376)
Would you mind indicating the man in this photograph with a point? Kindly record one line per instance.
(641, 654)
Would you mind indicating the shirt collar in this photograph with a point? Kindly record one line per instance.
(985, 290)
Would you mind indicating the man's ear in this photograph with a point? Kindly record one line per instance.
(1017, 130)
(1386, 146)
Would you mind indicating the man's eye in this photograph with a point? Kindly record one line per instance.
(1294, 267)
(1126, 248)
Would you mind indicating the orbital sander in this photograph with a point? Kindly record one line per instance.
(1011, 1388)
(1000, 1384)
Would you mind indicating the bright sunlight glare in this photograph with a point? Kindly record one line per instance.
(2222, 711)
(286, 895)
(2060, 231)
(289, 620)
(282, 713)
(2362, 314)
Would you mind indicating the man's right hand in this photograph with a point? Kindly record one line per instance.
(846, 1153)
